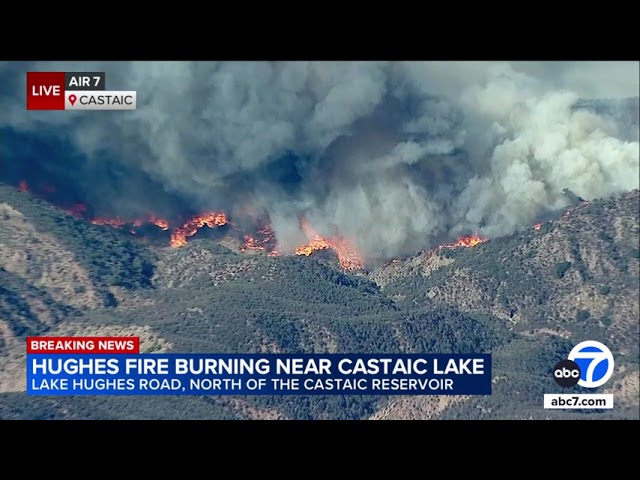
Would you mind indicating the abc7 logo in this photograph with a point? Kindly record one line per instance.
(590, 365)
(566, 373)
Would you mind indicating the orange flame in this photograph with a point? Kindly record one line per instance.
(118, 222)
(466, 241)
(348, 257)
(264, 240)
(159, 222)
(190, 228)
(250, 243)
(111, 222)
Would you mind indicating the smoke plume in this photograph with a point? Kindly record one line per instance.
(393, 155)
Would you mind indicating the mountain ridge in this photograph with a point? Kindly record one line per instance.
(513, 296)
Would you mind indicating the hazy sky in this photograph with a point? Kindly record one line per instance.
(590, 79)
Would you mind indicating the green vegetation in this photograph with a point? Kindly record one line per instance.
(20, 406)
(583, 315)
(523, 276)
(22, 307)
(508, 297)
(311, 308)
(604, 290)
(561, 268)
(450, 252)
(606, 321)
(111, 257)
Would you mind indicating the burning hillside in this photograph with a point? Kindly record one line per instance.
(264, 239)
(191, 227)
(252, 233)
(466, 241)
(385, 158)
(348, 257)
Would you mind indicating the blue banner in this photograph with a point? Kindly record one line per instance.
(259, 374)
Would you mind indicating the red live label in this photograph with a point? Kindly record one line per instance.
(63, 345)
(45, 90)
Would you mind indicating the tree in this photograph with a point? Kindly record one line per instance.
(561, 268)
(583, 315)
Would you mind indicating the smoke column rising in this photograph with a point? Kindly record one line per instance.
(394, 155)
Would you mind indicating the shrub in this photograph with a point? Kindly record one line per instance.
(583, 315)
(561, 268)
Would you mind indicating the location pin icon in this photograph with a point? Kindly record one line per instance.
(72, 99)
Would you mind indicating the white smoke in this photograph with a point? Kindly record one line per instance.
(542, 147)
(397, 155)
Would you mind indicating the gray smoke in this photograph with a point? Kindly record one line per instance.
(394, 155)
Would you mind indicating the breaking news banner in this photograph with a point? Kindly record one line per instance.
(115, 366)
(75, 91)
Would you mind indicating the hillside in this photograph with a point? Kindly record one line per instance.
(576, 275)
(527, 298)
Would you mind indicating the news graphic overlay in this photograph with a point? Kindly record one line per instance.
(45, 90)
(115, 366)
(595, 362)
(590, 364)
(566, 373)
(75, 91)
